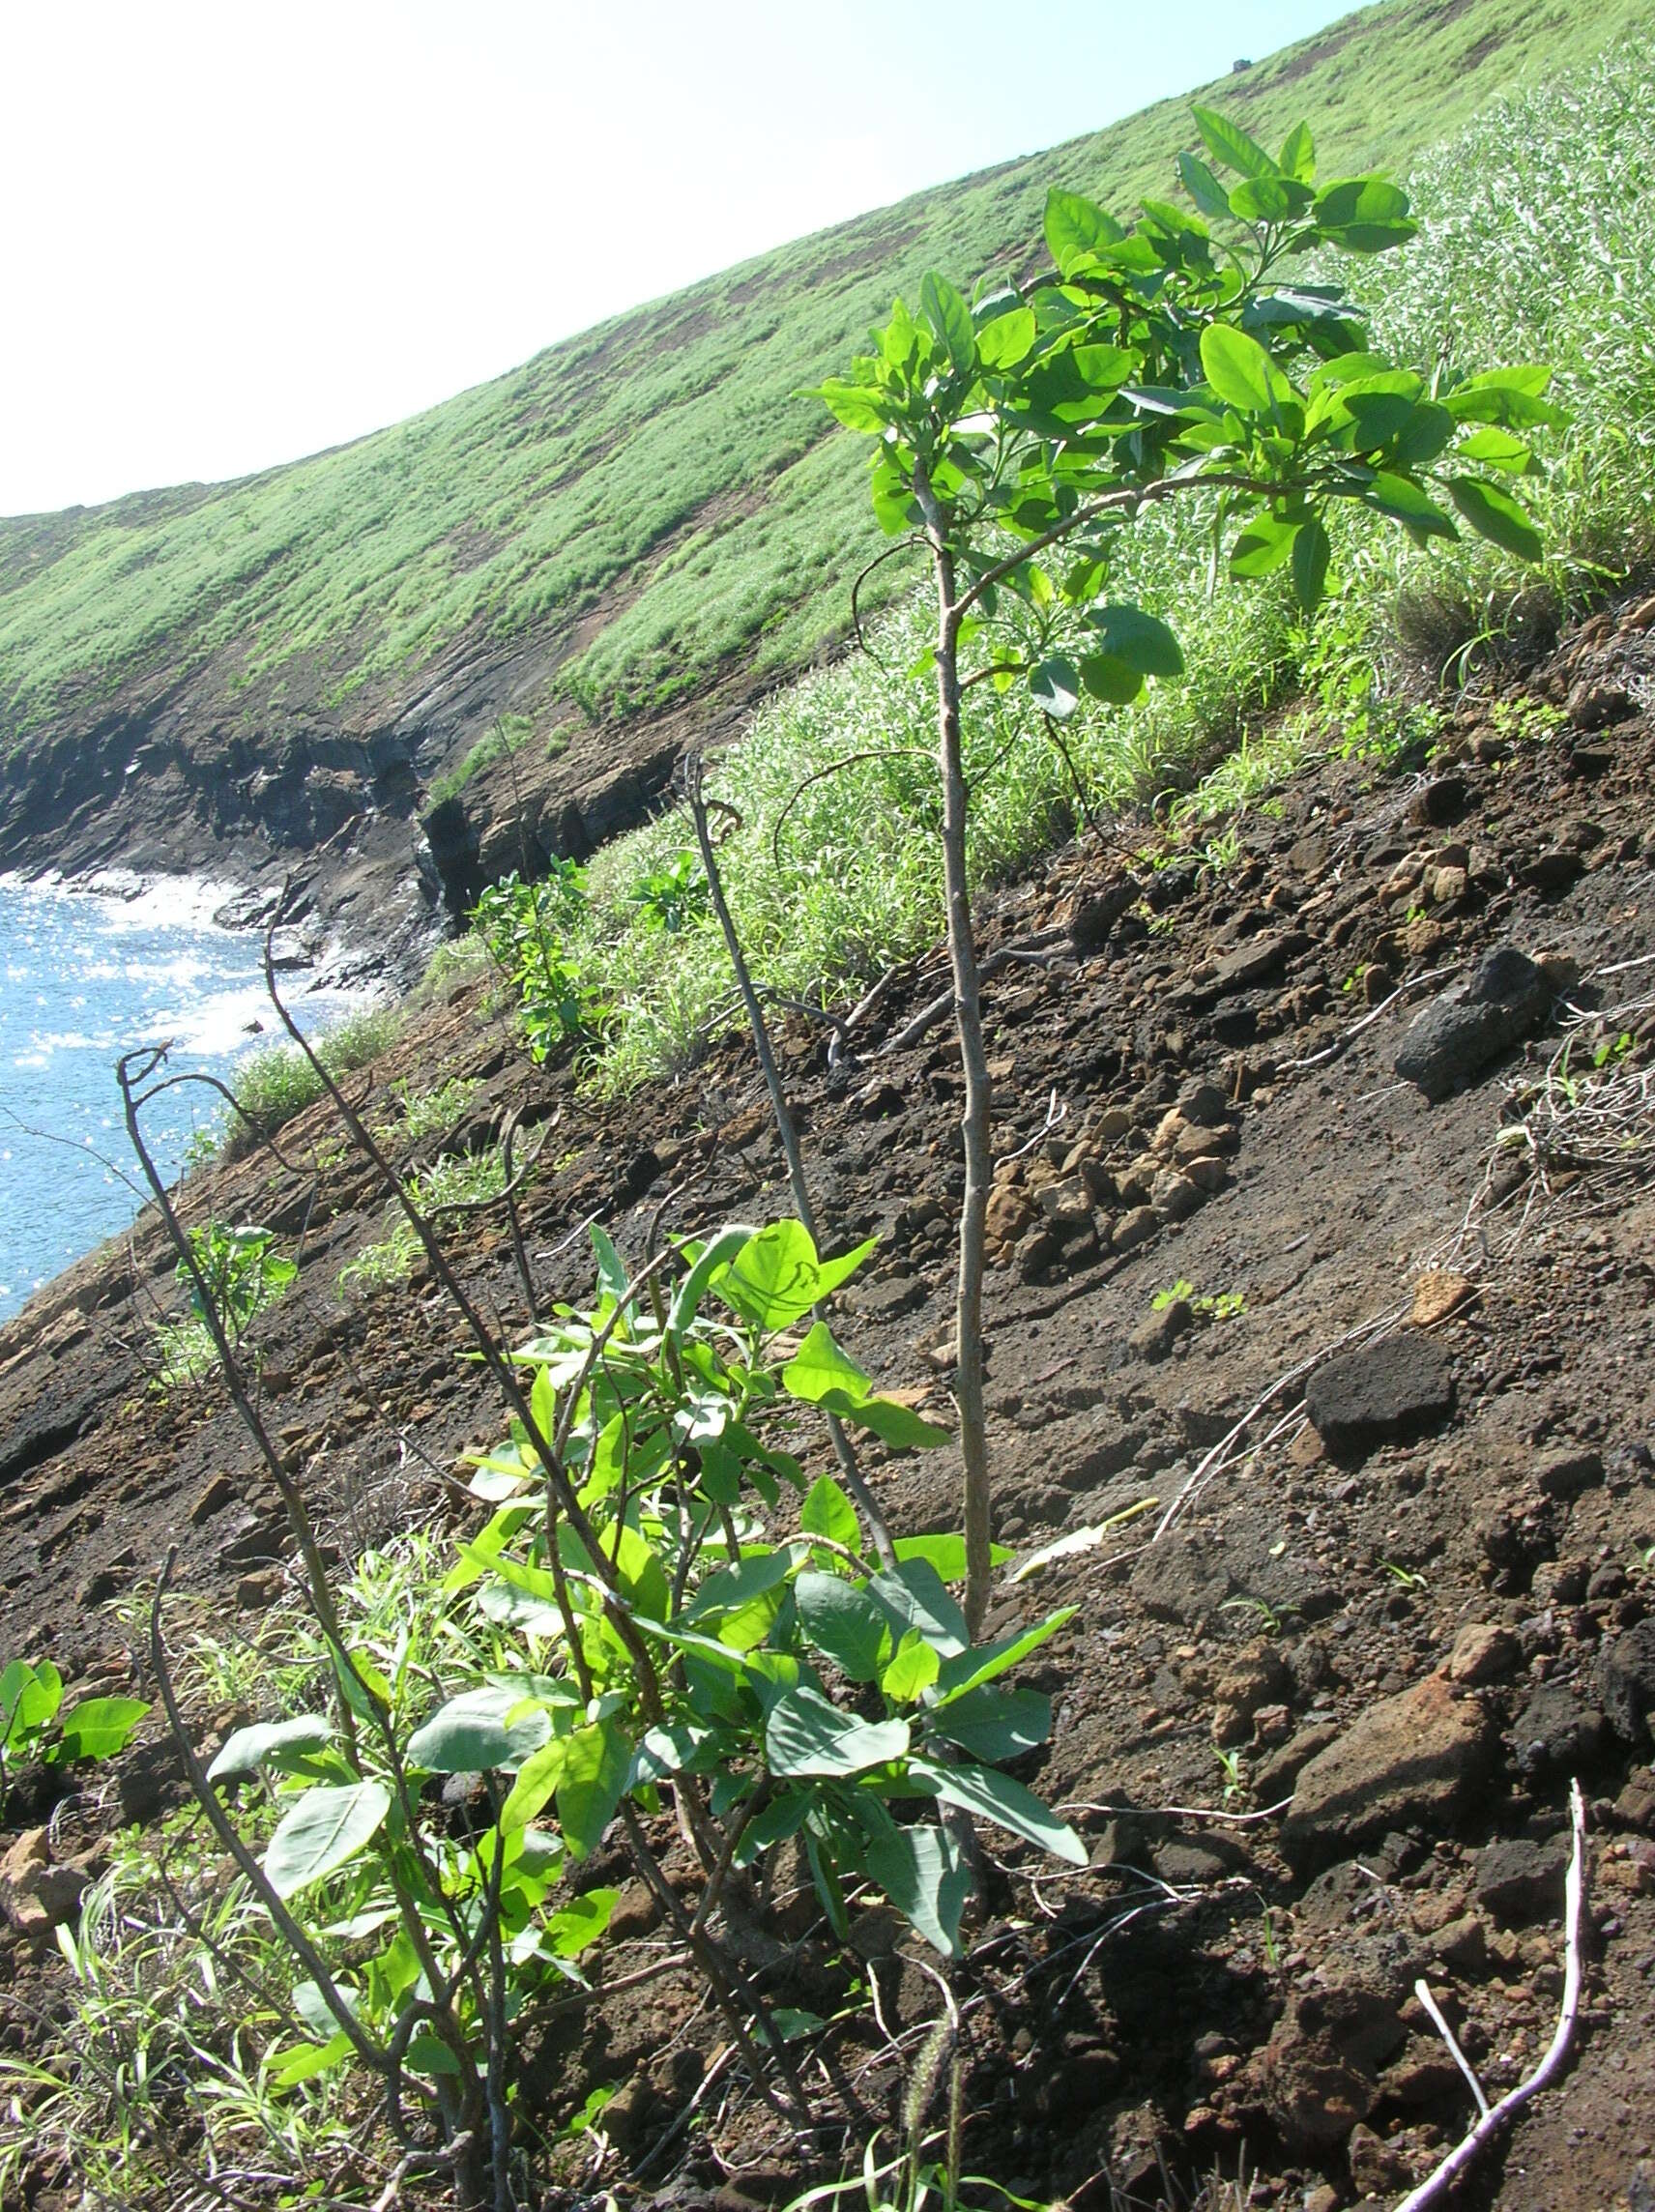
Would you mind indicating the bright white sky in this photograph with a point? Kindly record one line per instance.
(239, 231)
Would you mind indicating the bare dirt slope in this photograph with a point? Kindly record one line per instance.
(1406, 1615)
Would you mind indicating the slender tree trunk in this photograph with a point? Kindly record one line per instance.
(975, 1122)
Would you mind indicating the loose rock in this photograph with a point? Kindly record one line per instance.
(1396, 1387)
(1418, 1756)
(1505, 998)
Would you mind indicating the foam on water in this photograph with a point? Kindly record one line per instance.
(84, 977)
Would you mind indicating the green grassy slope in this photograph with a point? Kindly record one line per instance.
(659, 471)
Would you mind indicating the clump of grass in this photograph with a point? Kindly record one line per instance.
(457, 1179)
(278, 1082)
(423, 1112)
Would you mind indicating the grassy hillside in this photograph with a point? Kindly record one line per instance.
(658, 477)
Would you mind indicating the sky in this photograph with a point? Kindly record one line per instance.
(239, 232)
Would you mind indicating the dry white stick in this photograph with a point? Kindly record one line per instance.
(1346, 1036)
(1437, 2185)
(1422, 1990)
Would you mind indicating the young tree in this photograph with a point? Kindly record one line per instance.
(1020, 436)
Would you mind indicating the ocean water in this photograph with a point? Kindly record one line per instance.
(82, 980)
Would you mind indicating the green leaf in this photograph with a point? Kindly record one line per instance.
(282, 1744)
(1268, 199)
(922, 1871)
(304, 2061)
(1404, 500)
(775, 1278)
(830, 1273)
(1203, 186)
(324, 1830)
(1513, 398)
(828, 1512)
(1055, 688)
(843, 1622)
(1229, 145)
(29, 1698)
(1141, 640)
(1006, 342)
(595, 1768)
(1496, 449)
(537, 1779)
(982, 1663)
(576, 1926)
(915, 1597)
(1263, 546)
(711, 1260)
(994, 1723)
(1297, 157)
(1493, 514)
(912, 1669)
(894, 1424)
(1111, 679)
(951, 319)
(611, 1267)
(945, 1553)
(1240, 371)
(470, 1734)
(99, 1728)
(806, 1734)
(996, 1797)
(1364, 215)
(743, 1601)
(820, 1366)
(1310, 558)
(1077, 229)
(858, 406)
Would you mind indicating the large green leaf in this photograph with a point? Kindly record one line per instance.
(1364, 215)
(1141, 640)
(1311, 553)
(1297, 157)
(1203, 186)
(323, 1832)
(843, 1622)
(912, 1669)
(1230, 146)
(740, 1602)
(469, 1734)
(804, 1733)
(1077, 229)
(915, 1597)
(823, 1373)
(951, 319)
(98, 1728)
(828, 1512)
(1269, 199)
(1240, 371)
(994, 1724)
(858, 406)
(922, 1871)
(1263, 546)
(282, 1744)
(1404, 500)
(710, 1261)
(1006, 340)
(1055, 688)
(967, 1670)
(775, 1278)
(1493, 513)
(576, 1926)
(995, 1797)
(596, 1765)
(29, 1698)
(537, 1779)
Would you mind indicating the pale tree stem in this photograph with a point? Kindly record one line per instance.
(974, 1122)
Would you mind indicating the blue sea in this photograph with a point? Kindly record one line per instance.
(83, 978)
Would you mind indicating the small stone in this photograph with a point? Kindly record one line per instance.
(1066, 1206)
(1566, 1474)
(1209, 1174)
(1112, 1125)
(261, 1588)
(1626, 1678)
(1204, 1105)
(1445, 885)
(36, 1896)
(1397, 1388)
(1552, 871)
(1009, 1214)
(1134, 1229)
(878, 1101)
(1482, 1652)
(1461, 1944)
(1153, 1339)
(1173, 1196)
(1442, 802)
(636, 1913)
(1375, 2169)
(1505, 999)
(1557, 1733)
(1595, 706)
(1258, 960)
(1319, 2069)
(1519, 1880)
(1438, 1292)
(1634, 1807)
(216, 1494)
(1419, 1756)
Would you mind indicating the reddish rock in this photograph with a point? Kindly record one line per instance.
(1417, 1757)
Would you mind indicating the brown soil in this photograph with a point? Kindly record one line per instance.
(1215, 1992)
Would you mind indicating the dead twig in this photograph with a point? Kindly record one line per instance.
(1032, 951)
(1494, 2120)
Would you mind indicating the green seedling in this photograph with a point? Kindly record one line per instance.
(32, 1725)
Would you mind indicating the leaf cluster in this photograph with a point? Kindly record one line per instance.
(32, 1725)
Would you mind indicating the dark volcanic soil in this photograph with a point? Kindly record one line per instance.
(1404, 1627)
